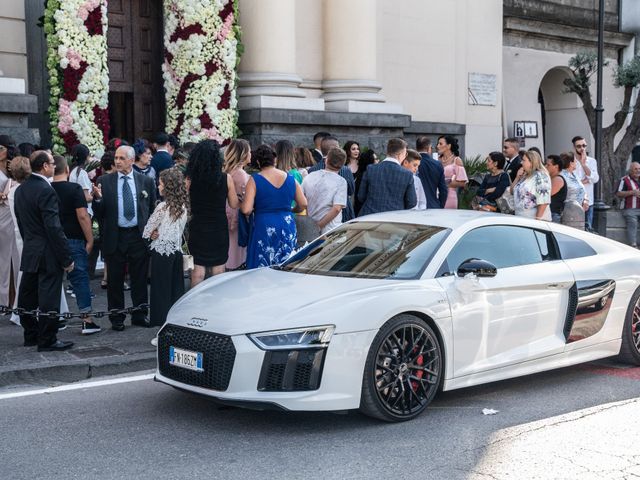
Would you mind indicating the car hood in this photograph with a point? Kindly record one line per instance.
(268, 299)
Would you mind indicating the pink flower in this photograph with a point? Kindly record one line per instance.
(74, 58)
(226, 28)
(64, 111)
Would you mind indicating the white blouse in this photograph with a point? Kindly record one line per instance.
(169, 239)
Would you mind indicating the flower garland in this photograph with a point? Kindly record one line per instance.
(200, 58)
(78, 73)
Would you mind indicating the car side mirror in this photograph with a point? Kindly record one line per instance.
(480, 268)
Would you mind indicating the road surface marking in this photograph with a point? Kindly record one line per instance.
(77, 386)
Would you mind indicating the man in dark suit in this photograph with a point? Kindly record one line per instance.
(431, 174)
(124, 200)
(327, 144)
(45, 254)
(162, 159)
(317, 143)
(387, 186)
(514, 162)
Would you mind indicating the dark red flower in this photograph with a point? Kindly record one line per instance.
(168, 56)
(70, 139)
(101, 119)
(226, 11)
(186, 32)
(71, 81)
(205, 121)
(176, 131)
(93, 23)
(225, 100)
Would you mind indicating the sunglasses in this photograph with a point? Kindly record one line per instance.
(581, 146)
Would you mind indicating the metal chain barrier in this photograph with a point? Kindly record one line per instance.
(5, 310)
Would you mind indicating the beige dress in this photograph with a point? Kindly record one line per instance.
(237, 254)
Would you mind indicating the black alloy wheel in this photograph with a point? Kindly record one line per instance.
(403, 370)
(630, 348)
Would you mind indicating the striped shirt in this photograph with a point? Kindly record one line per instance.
(628, 184)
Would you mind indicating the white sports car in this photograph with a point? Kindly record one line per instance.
(382, 312)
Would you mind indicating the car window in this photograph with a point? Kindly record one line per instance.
(370, 250)
(503, 245)
(571, 247)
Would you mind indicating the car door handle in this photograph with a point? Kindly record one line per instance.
(552, 286)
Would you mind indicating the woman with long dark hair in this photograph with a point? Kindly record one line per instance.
(367, 158)
(209, 191)
(165, 228)
(79, 156)
(352, 149)
(454, 173)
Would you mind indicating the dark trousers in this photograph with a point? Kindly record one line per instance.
(40, 290)
(133, 251)
(167, 284)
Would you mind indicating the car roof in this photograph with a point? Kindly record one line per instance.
(447, 218)
(469, 219)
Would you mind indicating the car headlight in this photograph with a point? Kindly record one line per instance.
(312, 337)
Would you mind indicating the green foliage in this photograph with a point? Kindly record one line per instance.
(628, 75)
(583, 66)
(476, 169)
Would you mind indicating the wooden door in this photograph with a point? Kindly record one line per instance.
(135, 40)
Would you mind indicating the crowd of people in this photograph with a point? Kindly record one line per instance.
(232, 207)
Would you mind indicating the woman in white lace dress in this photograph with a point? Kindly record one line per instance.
(164, 229)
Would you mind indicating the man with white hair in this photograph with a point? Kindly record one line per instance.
(124, 200)
(629, 195)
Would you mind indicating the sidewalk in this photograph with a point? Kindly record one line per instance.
(105, 353)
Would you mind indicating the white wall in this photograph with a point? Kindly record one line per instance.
(427, 49)
(13, 44)
(524, 71)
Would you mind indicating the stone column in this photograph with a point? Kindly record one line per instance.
(350, 58)
(267, 71)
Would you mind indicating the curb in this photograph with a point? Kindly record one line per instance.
(68, 372)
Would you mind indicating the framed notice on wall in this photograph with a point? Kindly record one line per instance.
(525, 129)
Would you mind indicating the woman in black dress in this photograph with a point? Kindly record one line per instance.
(209, 190)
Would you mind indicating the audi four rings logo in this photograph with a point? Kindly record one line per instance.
(197, 322)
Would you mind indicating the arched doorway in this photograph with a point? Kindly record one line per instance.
(136, 94)
(562, 114)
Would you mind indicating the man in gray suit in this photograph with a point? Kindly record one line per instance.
(387, 186)
(124, 200)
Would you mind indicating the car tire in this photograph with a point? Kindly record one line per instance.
(401, 385)
(630, 348)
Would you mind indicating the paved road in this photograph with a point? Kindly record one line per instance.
(579, 422)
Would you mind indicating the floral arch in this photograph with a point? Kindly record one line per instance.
(201, 53)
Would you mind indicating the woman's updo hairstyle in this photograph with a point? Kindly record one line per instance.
(453, 141)
(264, 156)
(498, 158)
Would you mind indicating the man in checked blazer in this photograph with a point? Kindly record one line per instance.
(387, 186)
(124, 200)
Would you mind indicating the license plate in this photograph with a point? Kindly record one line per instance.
(185, 359)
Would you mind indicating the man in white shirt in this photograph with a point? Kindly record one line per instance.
(587, 172)
(326, 192)
(412, 163)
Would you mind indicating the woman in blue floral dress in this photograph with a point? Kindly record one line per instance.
(532, 188)
(269, 195)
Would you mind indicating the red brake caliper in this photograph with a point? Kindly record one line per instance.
(419, 373)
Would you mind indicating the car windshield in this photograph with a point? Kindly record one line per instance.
(370, 250)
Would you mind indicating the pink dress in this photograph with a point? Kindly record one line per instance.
(461, 175)
(237, 255)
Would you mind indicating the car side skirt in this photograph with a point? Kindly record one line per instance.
(565, 359)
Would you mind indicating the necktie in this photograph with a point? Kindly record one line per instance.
(127, 200)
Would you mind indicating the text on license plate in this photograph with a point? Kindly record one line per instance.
(185, 359)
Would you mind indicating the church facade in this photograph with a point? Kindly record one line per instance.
(361, 69)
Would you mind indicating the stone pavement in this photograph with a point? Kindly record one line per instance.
(105, 353)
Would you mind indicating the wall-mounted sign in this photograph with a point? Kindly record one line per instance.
(482, 89)
(525, 129)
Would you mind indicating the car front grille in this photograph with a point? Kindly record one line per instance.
(218, 356)
(291, 370)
